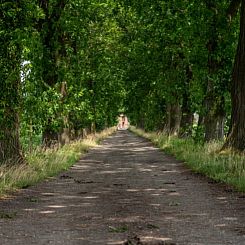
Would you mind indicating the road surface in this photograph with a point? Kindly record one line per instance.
(125, 191)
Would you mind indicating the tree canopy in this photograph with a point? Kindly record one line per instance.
(70, 67)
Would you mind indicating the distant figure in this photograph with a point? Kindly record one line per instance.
(122, 122)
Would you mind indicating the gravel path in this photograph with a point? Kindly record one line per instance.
(124, 190)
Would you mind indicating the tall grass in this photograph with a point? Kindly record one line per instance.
(43, 164)
(206, 159)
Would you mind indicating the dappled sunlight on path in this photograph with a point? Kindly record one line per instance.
(122, 189)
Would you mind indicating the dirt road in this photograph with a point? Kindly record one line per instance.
(124, 189)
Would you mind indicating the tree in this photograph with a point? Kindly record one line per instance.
(51, 36)
(13, 24)
(236, 137)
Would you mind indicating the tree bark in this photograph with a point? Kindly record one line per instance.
(10, 93)
(167, 119)
(210, 128)
(236, 136)
(173, 119)
(214, 123)
(64, 136)
(187, 115)
(220, 127)
(210, 119)
(10, 104)
(10, 148)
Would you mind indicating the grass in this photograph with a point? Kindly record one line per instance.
(44, 164)
(5, 215)
(120, 229)
(228, 168)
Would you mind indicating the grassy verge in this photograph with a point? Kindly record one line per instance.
(43, 164)
(204, 159)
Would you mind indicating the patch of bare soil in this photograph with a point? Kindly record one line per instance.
(125, 191)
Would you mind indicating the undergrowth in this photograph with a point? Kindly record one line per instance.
(205, 158)
(42, 164)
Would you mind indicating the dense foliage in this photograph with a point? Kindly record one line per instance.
(69, 67)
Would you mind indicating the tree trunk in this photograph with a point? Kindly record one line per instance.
(50, 136)
(10, 148)
(186, 123)
(52, 40)
(93, 128)
(173, 119)
(210, 119)
(200, 122)
(167, 119)
(187, 115)
(84, 133)
(220, 127)
(64, 136)
(10, 93)
(210, 123)
(214, 127)
(141, 123)
(236, 137)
